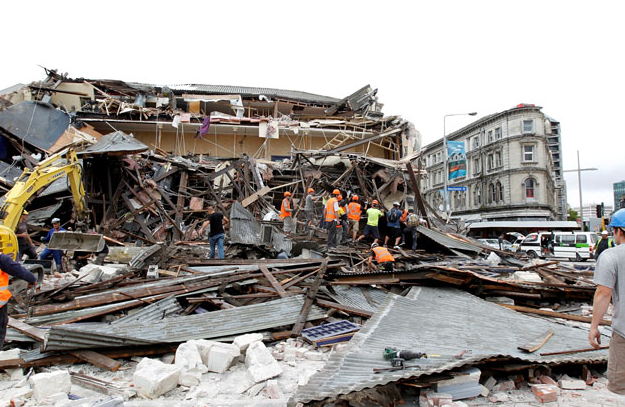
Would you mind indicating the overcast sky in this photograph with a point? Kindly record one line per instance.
(427, 58)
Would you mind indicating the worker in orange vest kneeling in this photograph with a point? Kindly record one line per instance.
(382, 257)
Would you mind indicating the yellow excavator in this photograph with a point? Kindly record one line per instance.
(54, 167)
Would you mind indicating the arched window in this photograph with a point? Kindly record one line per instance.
(530, 185)
(492, 196)
(478, 194)
(500, 191)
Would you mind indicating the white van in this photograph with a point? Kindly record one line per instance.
(531, 244)
(575, 246)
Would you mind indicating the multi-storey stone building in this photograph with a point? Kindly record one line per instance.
(510, 172)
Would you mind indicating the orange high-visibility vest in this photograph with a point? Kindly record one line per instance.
(382, 255)
(330, 212)
(353, 211)
(5, 294)
(404, 216)
(283, 209)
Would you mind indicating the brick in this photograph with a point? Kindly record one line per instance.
(490, 383)
(546, 380)
(222, 356)
(504, 386)
(290, 354)
(47, 384)
(499, 397)
(153, 378)
(314, 355)
(545, 393)
(260, 364)
(431, 399)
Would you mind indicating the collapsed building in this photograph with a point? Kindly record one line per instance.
(154, 157)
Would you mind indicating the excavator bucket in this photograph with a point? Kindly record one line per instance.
(84, 242)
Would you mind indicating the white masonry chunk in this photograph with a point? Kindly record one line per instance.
(10, 354)
(243, 341)
(222, 356)
(189, 361)
(273, 390)
(93, 273)
(572, 384)
(153, 378)
(204, 347)
(46, 384)
(260, 364)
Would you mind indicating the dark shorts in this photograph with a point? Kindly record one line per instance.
(310, 215)
(371, 230)
(616, 364)
(394, 233)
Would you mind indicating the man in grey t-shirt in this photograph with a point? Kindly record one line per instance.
(309, 210)
(610, 280)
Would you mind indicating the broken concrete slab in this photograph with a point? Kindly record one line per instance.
(47, 384)
(260, 364)
(243, 341)
(221, 356)
(189, 360)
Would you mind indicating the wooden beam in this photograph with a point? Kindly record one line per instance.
(28, 330)
(552, 314)
(344, 308)
(97, 359)
(311, 293)
(274, 283)
(537, 343)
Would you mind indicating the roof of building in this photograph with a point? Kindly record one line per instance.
(525, 224)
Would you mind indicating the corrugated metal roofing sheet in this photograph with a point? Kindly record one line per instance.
(245, 228)
(251, 318)
(116, 143)
(153, 312)
(444, 322)
(447, 241)
(255, 92)
(364, 298)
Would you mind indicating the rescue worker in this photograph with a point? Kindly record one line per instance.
(604, 243)
(373, 218)
(393, 229)
(382, 257)
(215, 222)
(9, 267)
(309, 210)
(286, 214)
(57, 255)
(342, 224)
(25, 244)
(331, 217)
(353, 215)
(610, 283)
(412, 222)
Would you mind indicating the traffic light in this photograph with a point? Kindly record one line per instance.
(599, 210)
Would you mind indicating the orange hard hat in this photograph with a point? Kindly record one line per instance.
(287, 193)
(336, 192)
(339, 197)
(310, 190)
(355, 197)
(375, 202)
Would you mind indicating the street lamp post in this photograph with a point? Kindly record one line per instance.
(579, 181)
(446, 172)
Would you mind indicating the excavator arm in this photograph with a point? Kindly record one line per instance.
(54, 167)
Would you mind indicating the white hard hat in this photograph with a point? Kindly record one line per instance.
(395, 203)
(56, 220)
(605, 232)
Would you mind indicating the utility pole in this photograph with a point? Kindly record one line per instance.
(579, 182)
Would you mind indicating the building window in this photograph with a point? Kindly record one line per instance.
(498, 162)
(528, 152)
(500, 191)
(491, 162)
(492, 195)
(477, 196)
(498, 133)
(476, 166)
(529, 188)
(528, 126)
(476, 142)
(490, 136)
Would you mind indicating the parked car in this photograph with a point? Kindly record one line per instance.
(494, 243)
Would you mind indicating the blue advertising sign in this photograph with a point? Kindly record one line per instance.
(456, 188)
(456, 160)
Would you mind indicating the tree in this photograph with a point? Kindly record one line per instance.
(572, 215)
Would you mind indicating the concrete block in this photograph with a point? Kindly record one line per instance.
(243, 341)
(273, 390)
(300, 352)
(16, 374)
(572, 384)
(290, 354)
(56, 399)
(152, 378)
(260, 364)
(46, 384)
(10, 354)
(222, 356)
(490, 383)
(545, 393)
(92, 272)
(504, 386)
(484, 391)
(277, 355)
(189, 361)
(204, 347)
